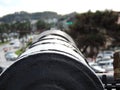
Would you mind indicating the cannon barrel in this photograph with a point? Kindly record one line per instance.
(53, 62)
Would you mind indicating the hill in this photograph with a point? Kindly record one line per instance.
(22, 16)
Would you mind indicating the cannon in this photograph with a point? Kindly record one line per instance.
(52, 62)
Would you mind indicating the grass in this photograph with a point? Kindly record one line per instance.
(3, 43)
(19, 51)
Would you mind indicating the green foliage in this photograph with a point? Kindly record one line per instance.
(23, 28)
(41, 25)
(19, 51)
(91, 29)
(4, 28)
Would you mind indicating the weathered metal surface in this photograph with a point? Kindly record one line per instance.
(53, 62)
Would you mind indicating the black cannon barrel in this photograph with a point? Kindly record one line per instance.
(53, 62)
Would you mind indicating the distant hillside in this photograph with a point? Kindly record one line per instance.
(21, 16)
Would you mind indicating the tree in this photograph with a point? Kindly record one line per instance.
(90, 30)
(41, 25)
(4, 29)
(23, 28)
(14, 27)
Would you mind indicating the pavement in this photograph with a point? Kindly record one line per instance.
(3, 62)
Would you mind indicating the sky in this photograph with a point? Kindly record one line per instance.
(59, 6)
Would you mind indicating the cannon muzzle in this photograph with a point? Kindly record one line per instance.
(53, 62)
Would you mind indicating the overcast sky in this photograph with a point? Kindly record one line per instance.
(59, 6)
